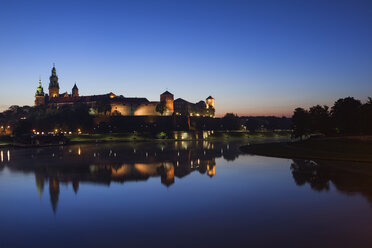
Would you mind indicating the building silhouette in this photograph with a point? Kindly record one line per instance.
(120, 105)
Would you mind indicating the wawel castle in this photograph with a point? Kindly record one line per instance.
(120, 105)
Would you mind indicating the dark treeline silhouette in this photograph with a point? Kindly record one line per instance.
(262, 123)
(348, 116)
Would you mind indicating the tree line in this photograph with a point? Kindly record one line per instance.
(347, 116)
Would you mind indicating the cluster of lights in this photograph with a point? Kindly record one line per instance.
(55, 131)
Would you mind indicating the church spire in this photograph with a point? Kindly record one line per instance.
(53, 85)
(39, 90)
(75, 91)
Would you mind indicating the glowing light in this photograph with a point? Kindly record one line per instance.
(2, 156)
(79, 151)
(56, 130)
(8, 154)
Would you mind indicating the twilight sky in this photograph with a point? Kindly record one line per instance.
(253, 57)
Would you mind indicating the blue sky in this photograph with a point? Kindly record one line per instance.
(254, 57)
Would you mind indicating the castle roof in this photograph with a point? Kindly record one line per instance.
(180, 100)
(85, 99)
(81, 99)
(167, 93)
(131, 100)
(210, 98)
(75, 87)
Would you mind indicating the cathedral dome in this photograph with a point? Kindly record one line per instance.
(39, 90)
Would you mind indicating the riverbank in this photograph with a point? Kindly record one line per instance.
(6, 140)
(214, 136)
(184, 136)
(354, 148)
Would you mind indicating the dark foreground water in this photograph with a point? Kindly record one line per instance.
(179, 195)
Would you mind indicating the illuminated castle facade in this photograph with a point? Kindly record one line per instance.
(120, 105)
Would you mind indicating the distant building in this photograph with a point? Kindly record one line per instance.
(183, 107)
(120, 105)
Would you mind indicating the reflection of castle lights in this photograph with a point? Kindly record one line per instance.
(79, 151)
(2, 156)
(8, 154)
(211, 170)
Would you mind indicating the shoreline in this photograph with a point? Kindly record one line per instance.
(351, 149)
(143, 137)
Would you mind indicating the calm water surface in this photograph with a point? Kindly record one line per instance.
(181, 194)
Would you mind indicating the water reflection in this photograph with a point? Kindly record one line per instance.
(347, 177)
(107, 163)
(104, 164)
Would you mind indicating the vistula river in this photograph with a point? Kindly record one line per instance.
(179, 194)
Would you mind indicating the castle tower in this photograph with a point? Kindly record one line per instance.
(53, 85)
(75, 91)
(168, 98)
(210, 102)
(39, 95)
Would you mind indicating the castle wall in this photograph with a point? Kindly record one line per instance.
(122, 109)
(146, 109)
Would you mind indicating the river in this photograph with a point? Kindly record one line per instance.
(179, 194)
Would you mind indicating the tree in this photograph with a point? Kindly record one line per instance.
(160, 108)
(346, 115)
(300, 123)
(231, 122)
(366, 117)
(22, 127)
(103, 106)
(319, 119)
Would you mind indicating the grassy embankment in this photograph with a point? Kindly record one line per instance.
(121, 137)
(357, 148)
(6, 140)
(139, 136)
(92, 138)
